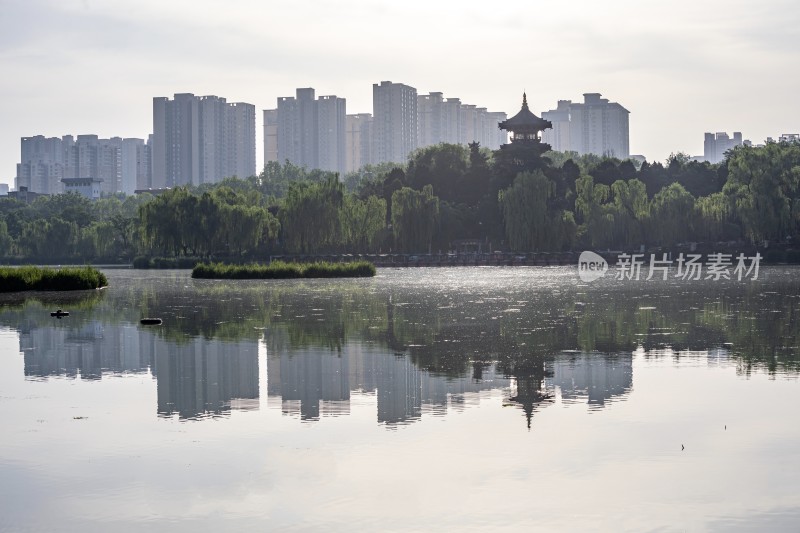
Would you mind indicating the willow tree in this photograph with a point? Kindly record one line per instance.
(6, 242)
(715, 218)
(596, 215)
(309, 216)
(631, 212)
(362, 222)
(241, 227)
(54, 238)
(169, 221)
(414, 218)
(529, 221)
(764, 185)
(673, 215)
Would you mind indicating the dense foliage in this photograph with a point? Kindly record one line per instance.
(444, 195)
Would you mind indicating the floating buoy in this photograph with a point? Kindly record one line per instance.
(59, 313)
(150, 321)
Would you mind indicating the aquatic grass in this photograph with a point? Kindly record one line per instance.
(32, 278)
(283, 270)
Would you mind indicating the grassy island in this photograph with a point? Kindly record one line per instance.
(282, 270)
(31, 278)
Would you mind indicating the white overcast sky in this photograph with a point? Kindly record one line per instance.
(680, 67)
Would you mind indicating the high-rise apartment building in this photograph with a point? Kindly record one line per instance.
(715, 146)
(41, 166)
(311, 132)
(430, 119)
(270, 135)
(595, 126)
(443, 120)
(331, 141)
(308, 131)
(201, 139)
(134, 165)
(495, 137)
(117, 164)
(358, 143)
(241, 140)
(469, 123)
(394, 128)
(452, 121)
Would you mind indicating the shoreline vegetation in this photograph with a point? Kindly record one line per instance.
(32, 278)
(283, 270)
(450, 199)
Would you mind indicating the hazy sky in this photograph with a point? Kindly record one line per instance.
(680, 67)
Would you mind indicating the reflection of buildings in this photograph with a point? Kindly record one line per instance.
(197, 377)
(204, 376)
(594, 376)
(89, 350)
(316, 381)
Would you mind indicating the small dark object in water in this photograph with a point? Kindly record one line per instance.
(150, 321)
(59, 313)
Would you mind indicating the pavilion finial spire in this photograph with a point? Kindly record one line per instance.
(524, 100)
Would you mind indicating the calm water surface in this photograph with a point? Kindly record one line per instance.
(422, 399)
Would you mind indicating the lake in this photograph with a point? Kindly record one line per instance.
(447, 399)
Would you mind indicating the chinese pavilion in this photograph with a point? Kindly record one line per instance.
(525, 128)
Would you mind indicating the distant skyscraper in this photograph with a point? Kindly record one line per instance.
(495, 137)
(134, 164)
(297, 129)
(394, 131)
(310, 132)
(469, 123)
(560, 137)
(201, 140)
(430, 119)
(114, 163)
(358, 143)
(242, 140)
(596, 126)
(331, 141)
(450, 121)
(715, 146)
(41, 165)
(270, 135)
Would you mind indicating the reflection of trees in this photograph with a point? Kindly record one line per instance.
(449, 333)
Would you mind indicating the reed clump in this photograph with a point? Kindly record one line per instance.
(33, 278)
(283, 270)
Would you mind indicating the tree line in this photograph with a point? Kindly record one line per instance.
(515, 199)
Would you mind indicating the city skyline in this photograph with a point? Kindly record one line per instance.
(681, 70)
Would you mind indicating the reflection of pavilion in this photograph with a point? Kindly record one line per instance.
(594, 376)
(314, 382)
(198, 377)
(530, 392)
